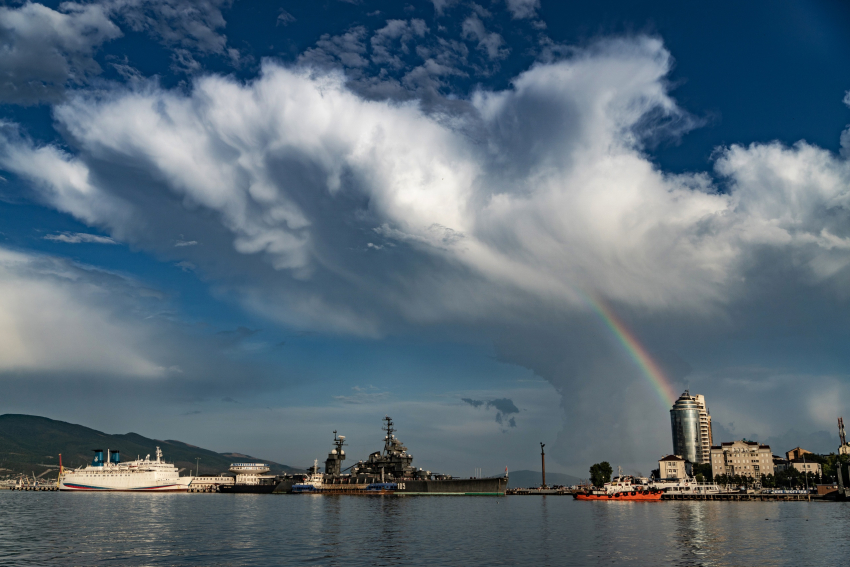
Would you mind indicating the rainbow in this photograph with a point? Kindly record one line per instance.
(649, 368)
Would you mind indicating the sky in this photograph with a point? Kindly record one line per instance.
(247, 225)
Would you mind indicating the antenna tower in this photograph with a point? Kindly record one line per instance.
(388, 440)
(339, 441)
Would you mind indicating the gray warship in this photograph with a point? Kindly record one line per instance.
(389, 471)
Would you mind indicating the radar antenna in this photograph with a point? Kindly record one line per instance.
(339, 442)
(388, 440)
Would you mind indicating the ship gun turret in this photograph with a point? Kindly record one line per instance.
(392, 464)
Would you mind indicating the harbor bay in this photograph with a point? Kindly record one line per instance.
(424, 283)
(216, 529)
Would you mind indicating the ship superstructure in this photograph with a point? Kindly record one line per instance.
(394, 462)
(389, 471)
(111, 474)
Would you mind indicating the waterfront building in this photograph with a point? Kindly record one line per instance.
(780, 464)
(673, 467)
(210, 483)
(744, 458)
(804, 466)
(691, 425)
(796, 453)
(251, 473)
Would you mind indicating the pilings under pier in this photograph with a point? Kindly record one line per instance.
(741, 497)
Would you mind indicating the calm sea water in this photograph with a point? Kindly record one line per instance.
(240, 529)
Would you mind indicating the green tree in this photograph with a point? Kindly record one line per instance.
(704, 469)
(600, 473)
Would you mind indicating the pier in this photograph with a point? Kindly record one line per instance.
(741, 497)
(30, 487)
(539, 492)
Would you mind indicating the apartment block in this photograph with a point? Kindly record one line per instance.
(691, 427)
(744, 458)
(673, 467)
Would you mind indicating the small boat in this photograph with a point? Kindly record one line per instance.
(686, 486)
(382, 488)
(313, 483)
(621, 488)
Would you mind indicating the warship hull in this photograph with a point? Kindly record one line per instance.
(453, 487)
(444, 487)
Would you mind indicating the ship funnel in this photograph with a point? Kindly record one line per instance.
(115, 456)
(97, 461)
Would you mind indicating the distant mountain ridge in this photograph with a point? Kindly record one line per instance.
(30, 443)
(528, 479)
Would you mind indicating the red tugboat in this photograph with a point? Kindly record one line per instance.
(621, 488)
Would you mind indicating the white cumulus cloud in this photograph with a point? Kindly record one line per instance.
(53, 318)
(537, 193)
(79, 237)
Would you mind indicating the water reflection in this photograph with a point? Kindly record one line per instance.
(218, 529)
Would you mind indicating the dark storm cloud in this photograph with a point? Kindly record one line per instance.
(407, 60)
(188, 24)
(503, 407)
(822, 442)
(81, 330)
(43, 50)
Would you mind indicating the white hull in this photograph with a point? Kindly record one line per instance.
(96, 484)
(142, 475)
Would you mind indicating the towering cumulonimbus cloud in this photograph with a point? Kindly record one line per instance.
(534, 193)
(496, 214)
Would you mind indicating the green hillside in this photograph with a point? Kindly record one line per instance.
(29, 443)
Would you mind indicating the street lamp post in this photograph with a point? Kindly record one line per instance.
(806, 476)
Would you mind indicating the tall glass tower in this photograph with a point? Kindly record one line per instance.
(688, 420)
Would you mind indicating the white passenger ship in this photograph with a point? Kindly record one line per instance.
(139, 475)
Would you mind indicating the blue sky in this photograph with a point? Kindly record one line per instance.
(244, 225)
